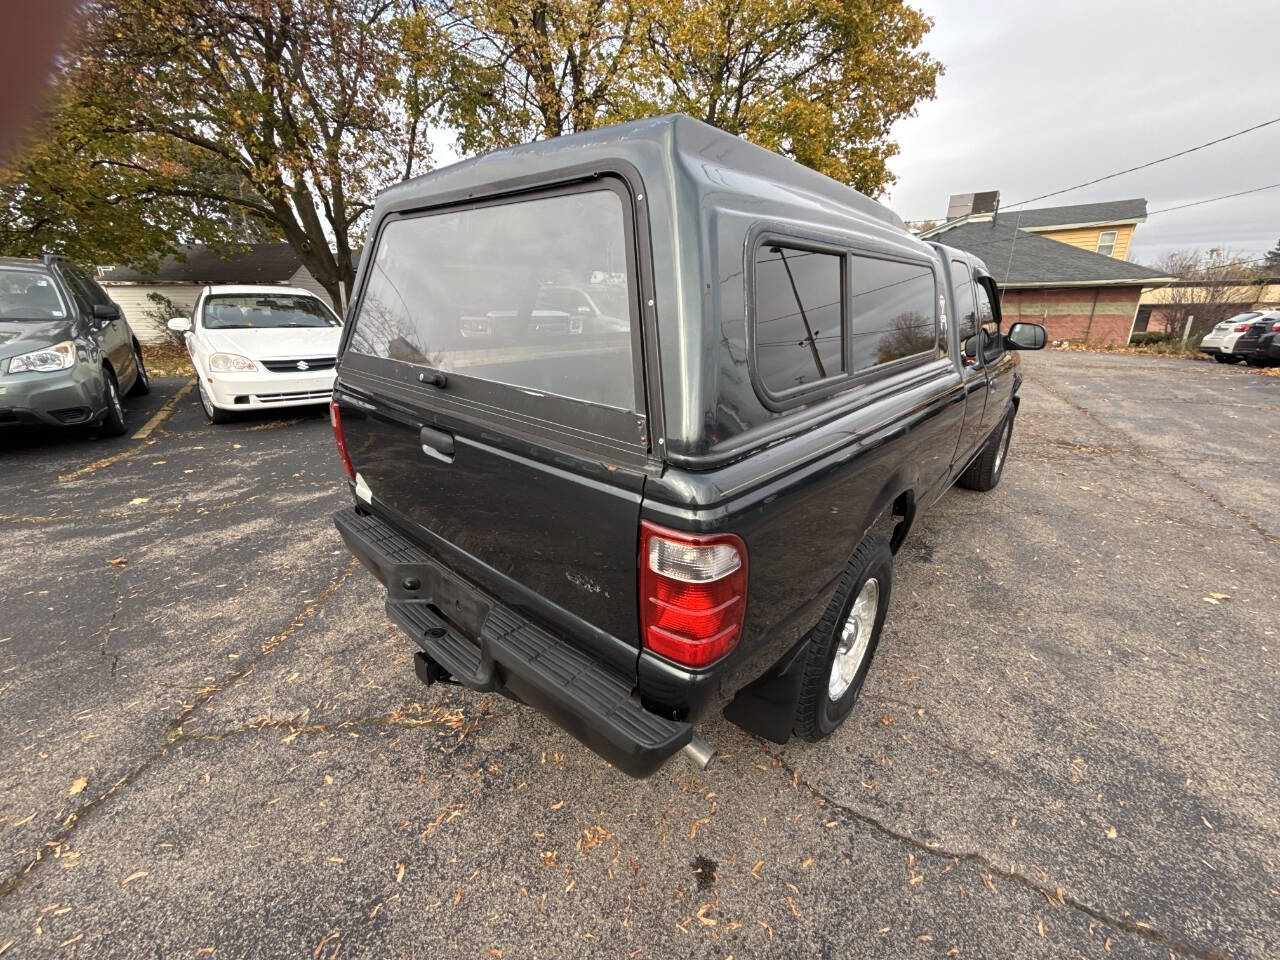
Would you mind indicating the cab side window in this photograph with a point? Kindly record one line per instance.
(989, 319)
(967, 311)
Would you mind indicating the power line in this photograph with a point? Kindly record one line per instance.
(1150, 163)
(1225, 196)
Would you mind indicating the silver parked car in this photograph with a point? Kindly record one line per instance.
(67, 353)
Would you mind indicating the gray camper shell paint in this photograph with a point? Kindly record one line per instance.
(537, 519)
(698, 193)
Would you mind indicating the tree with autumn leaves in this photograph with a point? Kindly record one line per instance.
(232, 121)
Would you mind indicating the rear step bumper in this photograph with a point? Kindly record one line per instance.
(586, 696)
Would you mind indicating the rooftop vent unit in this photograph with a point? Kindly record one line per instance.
(965, 204)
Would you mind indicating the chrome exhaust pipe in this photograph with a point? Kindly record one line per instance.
(699, 751)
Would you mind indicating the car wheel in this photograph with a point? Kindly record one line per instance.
(984, 473)
(1221, 359)
(113, 420)
(1255, 361)
(212, 414)
(843, 643)
(142, 385)
(1229, 358)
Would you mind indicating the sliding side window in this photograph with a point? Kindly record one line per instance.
(799, 313)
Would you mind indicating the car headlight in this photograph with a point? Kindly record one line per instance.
(59, 356)
(231, 363)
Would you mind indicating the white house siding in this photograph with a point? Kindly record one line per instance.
(133, 300)
(302, 278)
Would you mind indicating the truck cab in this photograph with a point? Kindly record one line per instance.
(693, 506)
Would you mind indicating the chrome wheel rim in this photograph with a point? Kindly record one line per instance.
(115, 398)
(206, 402)
(142, 369)
(1000, 450)
(855, 635)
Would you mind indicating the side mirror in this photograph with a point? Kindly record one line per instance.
(106, 312)
(1026, 336)
(180, 324)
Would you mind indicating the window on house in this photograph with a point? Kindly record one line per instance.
(799, 314)
(1106, 242)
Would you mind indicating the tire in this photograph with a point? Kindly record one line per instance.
(113, 424)
(142, 384)
(1229, 358)
(211, 413)
(984, 473)
(1221, 359)
(827, 693)
(1255, 361)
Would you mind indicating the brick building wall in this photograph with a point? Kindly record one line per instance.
(1096, 314)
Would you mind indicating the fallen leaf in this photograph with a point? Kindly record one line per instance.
(925, 938)
(139, 500)
(755, 871)
(136, 875)
(1220, 596)
(986, 882)
(1040, 926)
(118, 562)
(1111, 833)
(1206, 822)
(886, 720)
(77, 785)
(557, 805)
(399, 871)
(703, 919)
(337, 860)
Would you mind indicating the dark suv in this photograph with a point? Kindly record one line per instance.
(66, 351)
(633, 526)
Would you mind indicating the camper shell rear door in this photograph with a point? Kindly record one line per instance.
(492, 393)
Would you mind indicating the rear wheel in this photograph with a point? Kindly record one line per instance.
(212, 414)
(1221, 359)
(1255, 361)
(113, 420)
(984, 473)
(844, 641)
(142, 384)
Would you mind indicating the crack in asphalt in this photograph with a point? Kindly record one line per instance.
(173, 733)
(1146, 454)
(1056, 896)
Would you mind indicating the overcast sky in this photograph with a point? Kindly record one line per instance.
(1038, 96)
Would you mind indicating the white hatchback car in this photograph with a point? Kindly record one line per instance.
(260, 347)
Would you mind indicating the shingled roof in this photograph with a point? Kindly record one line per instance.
(1017, 258)
(259, 263)
(1079, 214)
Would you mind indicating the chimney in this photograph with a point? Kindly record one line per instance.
(970, 204)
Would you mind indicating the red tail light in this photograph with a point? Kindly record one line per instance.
(693, 594)
(1275, 328)
(1241, 327)
(335, 418)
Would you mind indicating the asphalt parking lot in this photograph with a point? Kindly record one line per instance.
(212, 742)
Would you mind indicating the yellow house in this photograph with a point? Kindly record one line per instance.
(1105, 228)
(1102, 228)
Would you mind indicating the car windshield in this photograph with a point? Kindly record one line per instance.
(266, 310)
(29, 295)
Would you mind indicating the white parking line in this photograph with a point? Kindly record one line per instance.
(163, 413)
